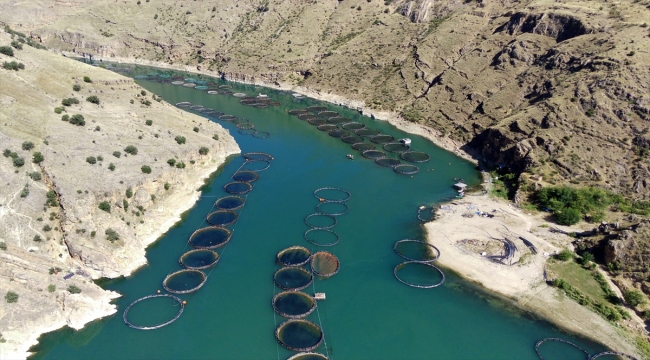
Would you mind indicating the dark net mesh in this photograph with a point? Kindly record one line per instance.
(230, 203)
(238, 187)
(382, 139)
(327, 127)
(367, 132)
(415, 157)
(387, 162)
(184, 281)
(221, 218)
(316, 109)
(373, 154)
(353, 139)
(363, 146)
(293, 278)
(353, 126)
(338, 120)
(245, 176)
(324, 264)
(396, 147)
(316, 121)
(328, 114)
(210, 237)
(406, 169)
(339, 133)
(199, 259)
(294, 256)
(293, 304)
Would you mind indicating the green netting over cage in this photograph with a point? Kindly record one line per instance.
(316, 109)
(297, 111)
(353, 125)
(307, 117)
(316, 121)
(201, 87)
(406, 169)
(363, 146)
(178, 82)
(396, 147)
(387, 162)
(332, 194)
(328, 114)
(327, 127)
(225, 87)
(184, 281)
(294, 256)
(415, 156)
(338, 120)
(382, 139)
(190, 80)
(293, 304)
(189, 85)
(141, 77)
(324, 264)
(198, 259)
(256, 165)
(293, 278)
(160, 310)
(308, 356)
(165, 76)
(210, 237)
(238, 187)
(322, 237)
(338, 133)
(221, 218)
(245, 176)
(230, 203)
(207, 110)
(299, 335)
(226, 117)
(332, 208)
(367, 132)
(352, 139)
(415, 250)
(373, 154)
(419, 274)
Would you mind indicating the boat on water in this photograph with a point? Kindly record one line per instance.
(350, 156)
(259, 95)
(405, 141)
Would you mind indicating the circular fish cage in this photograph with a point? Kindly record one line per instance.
(415, 250)
(316, 121)
(238, 187)
(420, 271)
(201, 82)
(226, 117)
(210, 237)
(396, 147)
(307, 116)
(228, 87)
(230, 203)
(338, 120)
(293, 304)
(224, 92)
(256, 165)
(261, 134)
(275, 103)
(241, 121)
(382, 139)
(332, 194)
(297, 111)
(308, 356)
(260, 106)
(299, 335)
(327, 127)
(367, 132)
(245, 126)
(245, 176)
(426, 213)
(190, 80)
(184, 281)
(322, 237)
(328, 114)
(201, 87)
(257, 156)
(178, 82)
(316, 109)
(165, 76)
(406, 169)
(294, 256)
(320, 221)
(239, 95)
(213, 92)
(183, 104)
(189, 85)
(222, 218)
(387, 162)
(180, 305)
(207, 110)
(373, 154)
(325, 264)
(560, 340)
(415, 157)
(293, 278)
(338, 133)
(612, 353)
(332, 208)
(353, 125)
(246, 131)
(198, 259)
(363, 146)
(352, 139)
(197, 107)
(141, 77)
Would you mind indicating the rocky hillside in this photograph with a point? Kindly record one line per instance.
(557, 89)
(86, 185)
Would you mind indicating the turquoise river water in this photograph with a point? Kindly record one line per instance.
(368, 314)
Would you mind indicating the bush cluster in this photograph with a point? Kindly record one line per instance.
(131, 150)
(6, 50)
(93, 99)
(11, 297)
(13, 65)
(105, 206)
(570, 204)
(146, 169)
(69, 101)
(204, 150)
(180, 139)
(111, 235)
(608, 312)
(78, 120)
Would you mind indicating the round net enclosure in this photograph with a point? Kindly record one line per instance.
(245, 176)
(325, 264)
(184, 281)
(197, 107)
(396, 147)
(316, 121)
(353, 125)
(239, 95)
(226, 117)
(294, 256)
(213, 92)
(261, 134)
(190, 80)
(299, 335)
(338, 133)
(201, 87)
(257, 156)
(415, 156)
(293, 304)
(328, 114)
(275, 103)
(373, 154)
(293, 278)
(308, 356)
(307, 116)
(238, 187)
(332, 194)
(260, 106)
(387, 162)
(338, 120)
(322, 237)
(382, 139)
(189, 85)
(406, 169)
(165, 76)
(230, 203)
(415, 250)
(177, 82)
(327, 127)
(225, 87)
(332, 208)
(320, 221)
(156, 311)
(256, 165)
(316, 109)
(198, 259)
(242, 121)
(246, 131)
(297, 112)
(363, 146)
(367, 132)
(353, 139)
(245, 125)
(419, 274)
(426, 213)
(224, 92)
(183, 104)
(558, 348)
(221, 218)
(140, 77)
(210, 237)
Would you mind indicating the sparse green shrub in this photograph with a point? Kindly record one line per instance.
(37, 157)
(73, 289)
(78, 120)
(51, 288)
(105, 206)
(18, 161)
(129, 193)
(87, 79)
(76, 87)
(565, 255)
(111, 235)
(93, 99)
(180, 165)
(117, 154)
(6, 50)
(69, 101)
(149, 122)
(47, 227)
(52, 200)
(37, 238)
(590, 112)
(215, 137)
(100, 158)
(167, 186)
(11, 297)
(143, 93)
(111, 167)
(146, 169)
(6, 153)
(131, 150)
(125, 204)
(93, 233)
(196, 129)
(587, 257)
(171, 162)
(16, 45)
(180, 139)
(568, 216)
(203, 150)
(91, 160)
(3, 245)
(155, 17)
(27, 145)
(97, 128)
(58, 110)
(65, 117)
(25, 192)
(633, 297)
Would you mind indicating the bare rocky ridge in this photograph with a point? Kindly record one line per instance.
(69, 233)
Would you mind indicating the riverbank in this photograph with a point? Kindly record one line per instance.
(461, 235)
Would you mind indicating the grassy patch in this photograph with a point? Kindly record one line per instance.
(580, 278)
